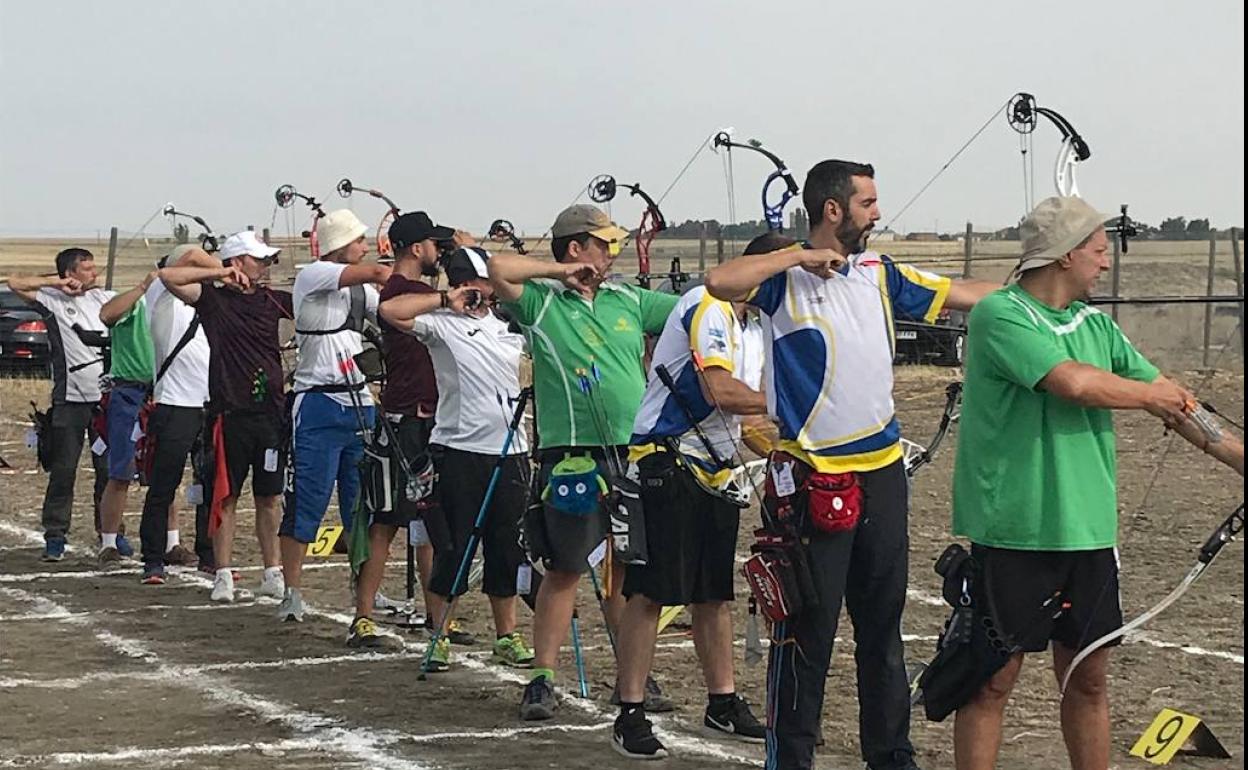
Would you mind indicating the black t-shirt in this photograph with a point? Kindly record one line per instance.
(245, 366)
(410, 385)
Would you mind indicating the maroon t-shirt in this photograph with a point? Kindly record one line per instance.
(245, 367)
(410, 385)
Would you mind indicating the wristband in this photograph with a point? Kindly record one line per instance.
(445, 299)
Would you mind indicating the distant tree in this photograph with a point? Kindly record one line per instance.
(1173, 229)
(181, 233)
(1198, 230)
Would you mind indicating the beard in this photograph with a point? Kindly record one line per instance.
(854, 239)
(429, 269)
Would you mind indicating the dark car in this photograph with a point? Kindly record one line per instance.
(941, 343)
(23, 336)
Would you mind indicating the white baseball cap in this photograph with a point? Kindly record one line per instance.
(246, 242)
(338, 228)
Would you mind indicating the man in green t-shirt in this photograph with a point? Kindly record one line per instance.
(1035, 488)
(131, 371)
(586, 335)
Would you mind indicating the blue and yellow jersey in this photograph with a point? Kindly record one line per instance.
(829, 366)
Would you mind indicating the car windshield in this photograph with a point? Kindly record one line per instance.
(12, 301)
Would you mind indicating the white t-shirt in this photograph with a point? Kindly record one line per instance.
(477, 365)
(327, 359)
(707, 326)
(185, 382)
(76, 366)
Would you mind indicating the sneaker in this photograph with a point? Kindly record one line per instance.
(153, 575)
(736, 722)
(363, 633)
(123, 546)
(510, 650)
(223, 587)
(539, 701)
(273, 584)
(180, 556)
(440, 660)
(633, 737)
(291, 608)
(655, 702)
(109, 558)
(456, 633)
(53, 549)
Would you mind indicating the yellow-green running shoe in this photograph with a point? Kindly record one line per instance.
(441, 658)
(511, 650)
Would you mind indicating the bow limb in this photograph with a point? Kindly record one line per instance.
(1127, 628)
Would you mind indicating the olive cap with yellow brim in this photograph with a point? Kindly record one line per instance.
(584, 218)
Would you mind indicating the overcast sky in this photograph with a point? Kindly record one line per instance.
(477, 110)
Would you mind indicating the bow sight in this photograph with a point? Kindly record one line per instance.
(773, 212)
(503, 231)
(207, 241)
(603, 188)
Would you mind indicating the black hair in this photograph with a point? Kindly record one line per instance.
(768, 242)
(831, 179)
(559, 246)
(69, 258)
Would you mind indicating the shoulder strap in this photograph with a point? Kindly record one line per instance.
(355, 315)
(183, 341)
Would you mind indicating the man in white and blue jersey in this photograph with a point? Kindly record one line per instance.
(711, 350)
(828, 315)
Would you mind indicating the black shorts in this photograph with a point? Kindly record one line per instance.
(691, 538)
(463, 478)
(253, 443)
(1069, 597)
(413, 437)
(564, 541)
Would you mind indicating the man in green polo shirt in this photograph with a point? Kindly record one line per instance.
(587, 338)
(131, 371)
(1035, 486)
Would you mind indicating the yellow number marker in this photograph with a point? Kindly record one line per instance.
(669, 614)
(1170, 731)
(323, 545)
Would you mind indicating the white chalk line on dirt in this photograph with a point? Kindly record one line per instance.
(172, 754)
(134, 569)
(364, 745)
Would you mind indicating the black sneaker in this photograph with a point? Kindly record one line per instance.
(633, 737)
(539, 700)
(736, 722)
(655, 701)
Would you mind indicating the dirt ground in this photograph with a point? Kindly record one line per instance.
(97, 670)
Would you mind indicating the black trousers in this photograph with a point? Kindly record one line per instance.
(867, 569)
(70, 424)
(173, 431)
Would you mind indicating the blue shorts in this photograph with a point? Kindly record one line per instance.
(327, 449)
(124, 402)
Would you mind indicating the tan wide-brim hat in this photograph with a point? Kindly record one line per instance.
(1055, 227)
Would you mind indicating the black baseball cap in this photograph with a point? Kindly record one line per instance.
(465, 264)
(414, 227)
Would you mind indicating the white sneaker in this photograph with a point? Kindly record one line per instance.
(272, 584)
(291, 608)
(223, 586)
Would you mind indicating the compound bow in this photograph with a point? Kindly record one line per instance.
(207, 240)
(602, 189)
(285, 197)
(773, 211)
(503, 231)
(384, 249)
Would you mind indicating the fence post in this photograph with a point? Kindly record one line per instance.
(702, 248)
(264, 235)
(251, 228)
(1213, 252)
(719, 248)
(112, 257)
(1113, 311)
(1239, 283)
(966, 252)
